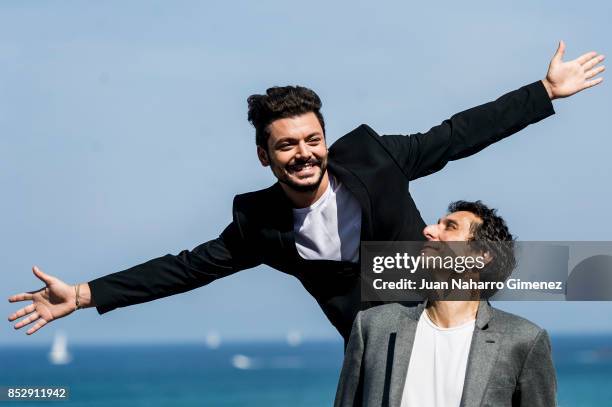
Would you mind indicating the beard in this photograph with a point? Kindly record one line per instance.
(285, 179)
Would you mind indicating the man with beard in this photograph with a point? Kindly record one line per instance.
(455, 349)
(310, 223)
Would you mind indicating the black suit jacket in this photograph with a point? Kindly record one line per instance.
(376, 169)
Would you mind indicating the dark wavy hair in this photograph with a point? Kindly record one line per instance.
(491, 235)
(281, 102)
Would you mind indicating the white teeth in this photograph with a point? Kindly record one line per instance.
(301, 167)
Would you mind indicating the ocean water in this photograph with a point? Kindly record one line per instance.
(249, 374)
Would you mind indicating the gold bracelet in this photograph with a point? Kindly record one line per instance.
(77, 302)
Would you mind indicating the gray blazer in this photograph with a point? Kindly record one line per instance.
(509, 364)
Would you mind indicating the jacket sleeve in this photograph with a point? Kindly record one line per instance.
(173, 274)
(470, 131)
(537, 383)
(350, 385)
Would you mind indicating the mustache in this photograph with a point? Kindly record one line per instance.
(311, 161)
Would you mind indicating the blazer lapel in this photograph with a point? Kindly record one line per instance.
(360, 193)
(482, 358)
(401, 355)
(280, 222)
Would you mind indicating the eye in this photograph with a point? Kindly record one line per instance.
(314, 140)
(284, 147)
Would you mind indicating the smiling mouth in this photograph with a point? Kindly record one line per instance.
(302, 168)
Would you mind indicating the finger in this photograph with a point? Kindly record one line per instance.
(560, 52)
(592, 83)
(20, 297)
(47, 279)
(27, 321)
(41, 322)
(22, 312)
(582, 59)
(594, 61)
(595, 71)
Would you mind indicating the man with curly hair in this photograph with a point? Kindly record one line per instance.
(445, 353)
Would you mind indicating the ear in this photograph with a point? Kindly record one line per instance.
(263, 156)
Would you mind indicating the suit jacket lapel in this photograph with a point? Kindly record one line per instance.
(280, 221)
(482, 358)
(360, 193)
(403, 349)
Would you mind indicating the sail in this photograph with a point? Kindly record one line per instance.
(59, 350)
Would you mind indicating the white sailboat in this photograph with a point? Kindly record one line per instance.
(242, 362)
(294, 338)
(59, 350)
(213, 340)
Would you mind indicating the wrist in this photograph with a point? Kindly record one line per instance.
(82, 298)
(548, 87)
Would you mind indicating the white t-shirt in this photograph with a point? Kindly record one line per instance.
(437, 364)
(330, 228)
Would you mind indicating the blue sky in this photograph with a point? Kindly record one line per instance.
(123, 136)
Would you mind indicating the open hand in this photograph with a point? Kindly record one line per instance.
(567, 78)
(55, 300)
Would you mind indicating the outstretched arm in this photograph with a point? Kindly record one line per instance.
(171, 274)
(157, 278)
(472, 130)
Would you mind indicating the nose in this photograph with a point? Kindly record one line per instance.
(431, 232)
(303, 152)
